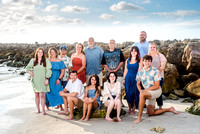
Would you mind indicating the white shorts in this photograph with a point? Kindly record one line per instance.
(100, 75)
(120, 79)
(154, 95)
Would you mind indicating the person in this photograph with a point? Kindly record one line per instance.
(150, 78)
(72, 94)
(53, 98)
(130, 72)
(91, 97)
(143, 46)
(39, 69)
(94, 55)
(79, 62)
(158, 62)
(112, 96)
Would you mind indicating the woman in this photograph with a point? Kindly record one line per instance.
(112, 96)
(79, 62)
(158, 62)
(53, 98)
(129, 79)
(39, 69)
(91, 97)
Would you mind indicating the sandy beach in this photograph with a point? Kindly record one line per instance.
(18, 117)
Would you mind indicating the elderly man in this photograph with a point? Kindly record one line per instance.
(72, 94)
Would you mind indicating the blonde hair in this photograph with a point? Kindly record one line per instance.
(81, 46)
(153, 43)
(49, 52)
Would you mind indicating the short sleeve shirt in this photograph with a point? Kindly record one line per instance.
(143, 48)
(68, 63)
(76, 86)
(148, 78)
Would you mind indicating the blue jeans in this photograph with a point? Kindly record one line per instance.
(159, 100)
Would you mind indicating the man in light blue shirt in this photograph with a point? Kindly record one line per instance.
(94, 55)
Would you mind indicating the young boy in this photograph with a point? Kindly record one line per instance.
(150, 79)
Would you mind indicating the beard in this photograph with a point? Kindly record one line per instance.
(142, 39)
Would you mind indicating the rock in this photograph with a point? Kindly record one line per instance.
(172, 97)
(180, 93)
(185, 79)
(22, 72)
(195, 108)
(191, 57)
(187, 101)
(194, 88)
(158, 129)
(171, 74)
(164, 97)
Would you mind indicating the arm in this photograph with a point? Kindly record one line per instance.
(83, 59)
(96, 95)
(107, 68)
(106, 90)
(140, 65)
(120, 64)
(125, 72)
(162, 66)
(29, 67)
(60, 77)
(139, 86)
(155, 86)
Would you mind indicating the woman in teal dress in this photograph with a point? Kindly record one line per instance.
(129, 79)
(39, 69)
(53, 98)
(91, 97)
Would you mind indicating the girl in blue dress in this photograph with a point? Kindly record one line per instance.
(53, 98)
(129, 79)
(91, 97)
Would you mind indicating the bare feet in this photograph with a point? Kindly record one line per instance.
(37, 112)
(70, 118)
(82, 118)
(160, 107)
(137, 121)
(57, 107)
(86, 119)
(44, 113)
(47, 108)
(64, 113)
(173, 110)
(119, 119)
(108, 119)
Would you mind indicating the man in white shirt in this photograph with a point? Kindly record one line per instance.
(72, 94)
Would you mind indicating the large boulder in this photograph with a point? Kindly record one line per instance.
(185, 79)
(195, 108)
(194, 88)
(171, 74)
(191, 57)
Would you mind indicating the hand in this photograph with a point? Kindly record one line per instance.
(61, 93)
(31, 74)
(90, 100)
(115, 106)
(46, 82)
(58, 82)
(123, 82)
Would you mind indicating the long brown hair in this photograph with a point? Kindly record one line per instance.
(138, 54)
(82, 47)
(43, 60)
(49, 52)
(97, 82)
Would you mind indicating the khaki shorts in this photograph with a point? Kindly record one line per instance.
(100, 75)
(154, 95)
(79, 103)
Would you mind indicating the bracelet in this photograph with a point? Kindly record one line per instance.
(59, 79)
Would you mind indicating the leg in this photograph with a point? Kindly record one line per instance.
(65, 106)
(85, 107)
(119, 106)
(88, 112)
(71, 102)
(159, 101)
(160, 111)
(42, 97)
(110, 105)
(37, 102)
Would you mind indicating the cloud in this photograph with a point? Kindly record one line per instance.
(51, 8)
(58, 19)
(75, 9)
(106, 16)
(25, 2)
(121, 6)
(178, 13)
(147, 1)
(116, 22)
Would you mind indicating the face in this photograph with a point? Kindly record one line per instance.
(112, 44)
(153, 48)
(40, 53)
(73, 76)
(134, 53)
(79, 48)
(53, 53)
(93, 81)
(147, 63)
(112, 77)
(143, 37)
(63, 51)
(91, 43)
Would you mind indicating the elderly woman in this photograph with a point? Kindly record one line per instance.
(112, 95)
(158, 62)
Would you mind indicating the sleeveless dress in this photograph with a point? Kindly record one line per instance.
(132, 93)
(53, 98)
(91, 94)
(77, 64)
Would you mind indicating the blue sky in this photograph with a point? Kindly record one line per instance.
(69, 21)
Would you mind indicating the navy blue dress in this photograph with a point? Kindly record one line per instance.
(132, 93)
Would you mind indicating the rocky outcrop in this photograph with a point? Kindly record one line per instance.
(195, 108)
(194, 88)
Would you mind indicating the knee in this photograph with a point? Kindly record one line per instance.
(150, 113)
(119, 102)
(42, 95)
(112, 102)
(69, 99)
(141, 95)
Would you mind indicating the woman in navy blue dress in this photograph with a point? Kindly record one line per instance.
(129, 79)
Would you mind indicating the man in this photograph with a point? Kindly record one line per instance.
(143, 46)
(68, 63)
(150, 79)
(94, 56)
(72, 94)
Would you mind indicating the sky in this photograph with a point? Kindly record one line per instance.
(70, 21)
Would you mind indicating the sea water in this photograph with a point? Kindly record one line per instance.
(15, 93)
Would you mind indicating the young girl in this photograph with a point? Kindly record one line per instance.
(91, 97)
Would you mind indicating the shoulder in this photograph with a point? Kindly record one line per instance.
(117, 83)
(106, 83)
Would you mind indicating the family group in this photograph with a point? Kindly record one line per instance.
(59, 79)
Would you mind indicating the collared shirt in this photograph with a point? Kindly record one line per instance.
(68, 63)
(112, 59)
(143, 48)
(148, 78)
(93, 60)
(76, 86)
